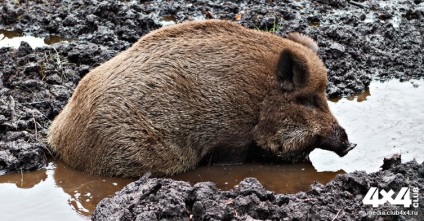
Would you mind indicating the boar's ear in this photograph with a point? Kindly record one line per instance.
(292, 70)
(303, 40)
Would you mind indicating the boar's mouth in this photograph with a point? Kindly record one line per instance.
(340, 148)
(350, 146)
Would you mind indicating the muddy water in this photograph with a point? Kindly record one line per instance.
(60, 193)
(13, 39)
(54, 193)
(387, 119)
(168, 20)
(290, 178)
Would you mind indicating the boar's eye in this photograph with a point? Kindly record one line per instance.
(308, 101)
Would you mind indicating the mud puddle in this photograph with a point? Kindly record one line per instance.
(60, 193)
(54, 193)
(13, 39)
(168, 20)
(286, 178)
(387, 119)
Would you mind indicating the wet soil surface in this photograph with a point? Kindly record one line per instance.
(166, 199)
(71, 195)
(359, 40)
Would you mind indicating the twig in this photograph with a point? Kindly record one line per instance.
(152, 190)
(36, 102)
(358, 4)
(35, 125)
(36, 137)
(46, 148)
(336, 215)
(236, 213)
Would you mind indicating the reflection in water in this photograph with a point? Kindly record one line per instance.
(51, 192)
(389, 121)
(13, 39)
(314, 24)
(86, 190)
(283, 178)
(358, 97)
(25, 180)
(53, 39)
(168, 20)
(43, 201)
(9, 34)
(54, 193)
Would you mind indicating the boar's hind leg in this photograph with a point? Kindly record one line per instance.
(130, 147)
(161, 160)
(227, 155)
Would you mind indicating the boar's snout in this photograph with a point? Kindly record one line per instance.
(337, 142)
(346, 148)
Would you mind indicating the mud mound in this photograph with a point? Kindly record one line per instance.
(35, 86)
(166, 199)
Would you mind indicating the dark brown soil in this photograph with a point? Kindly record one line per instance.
(359, 40)
(166, 199)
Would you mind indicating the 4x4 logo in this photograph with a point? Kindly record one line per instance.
(402, 198)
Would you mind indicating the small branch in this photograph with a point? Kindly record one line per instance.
(358, 4)
(336, 215)
(37, 102)
(35, 126)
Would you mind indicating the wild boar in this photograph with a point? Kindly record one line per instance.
(187, 90)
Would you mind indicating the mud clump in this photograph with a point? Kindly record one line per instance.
(166, 199)
(389, 162)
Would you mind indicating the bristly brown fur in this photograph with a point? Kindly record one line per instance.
(185, 90)
(304, 40)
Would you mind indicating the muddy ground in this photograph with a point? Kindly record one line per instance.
(359, 40)
(341, 199)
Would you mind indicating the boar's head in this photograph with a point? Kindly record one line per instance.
(295, 117)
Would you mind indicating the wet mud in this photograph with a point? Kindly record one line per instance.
(341, 199)
(359, 40)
